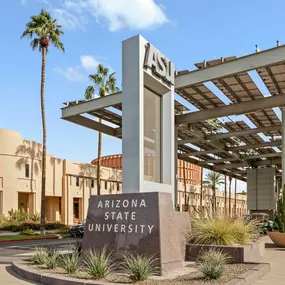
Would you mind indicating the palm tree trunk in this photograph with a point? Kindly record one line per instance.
(43, 192)
(230, 191)
(235, 197)
(226, 195)
(99, 162)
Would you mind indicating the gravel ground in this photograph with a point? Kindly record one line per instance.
(193, 278)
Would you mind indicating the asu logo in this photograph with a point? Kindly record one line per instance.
(159, 64)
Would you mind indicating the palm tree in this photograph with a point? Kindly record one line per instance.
(43, 30)
(213, 180)
(235, 197)
(104, 83)
(226, 195)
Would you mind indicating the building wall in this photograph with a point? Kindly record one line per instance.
(193, 194)
(192, 171)
(69, 184)
(66, 181)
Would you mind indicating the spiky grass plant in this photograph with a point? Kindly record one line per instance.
(221, 231)
(39, 256)
(139, 267)
(52, 259)
(212, 263)
(70, 262)
(99, 263)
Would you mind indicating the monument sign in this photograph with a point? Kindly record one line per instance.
(142, 223)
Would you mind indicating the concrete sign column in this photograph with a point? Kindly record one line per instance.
(148, 119)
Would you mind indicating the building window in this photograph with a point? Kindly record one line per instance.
(118, 187)
(59, 205)
(92, 183)
(27, 170)
(77, 181)
(106, 185)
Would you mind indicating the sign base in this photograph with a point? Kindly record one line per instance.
(143, 223)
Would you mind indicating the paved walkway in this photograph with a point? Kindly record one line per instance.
(276, 258)
(9, 277)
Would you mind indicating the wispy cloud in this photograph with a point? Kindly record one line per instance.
(71, 73)
(79, 73)
(115, 14)
(23, 2)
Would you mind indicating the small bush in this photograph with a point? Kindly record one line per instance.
(139, 267)
(28, 232)
(70, 262)
(52, 259)
(222, 231)
(212, 264)
(39, 256)
(99, 263)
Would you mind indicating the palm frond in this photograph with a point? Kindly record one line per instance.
(42, 26)
(89, 93)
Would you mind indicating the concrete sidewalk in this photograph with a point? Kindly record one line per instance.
(9, 277)
(276, 257)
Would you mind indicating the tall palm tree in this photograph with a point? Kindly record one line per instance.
(214, 180)
(43, 30)
(235, 197)
(104, 83)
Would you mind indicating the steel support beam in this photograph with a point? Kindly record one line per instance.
(229, 166)
(245, 63)
(233, 109)
(218, 160)
(203, 152)
(251, 146)
(91, 124)
(92, 105)
(265, 155)
(243, 132)
(210, 167)
(267, 162)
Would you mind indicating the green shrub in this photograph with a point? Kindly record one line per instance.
(17, 226)
(28, 232)
(39, 256)
(52, 259)
(139, 267)
(212, 263)
(99, 263)
(222, 231)
(70, 262)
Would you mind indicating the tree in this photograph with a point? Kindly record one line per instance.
(104, 83)
(230, 196)
(43, 30)
(213, 180)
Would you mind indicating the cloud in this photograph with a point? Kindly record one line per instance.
(79, 73)
(69, 20)
(23, 2)
(131, 14)
(71, 73)
(88, 62)
(117, 14)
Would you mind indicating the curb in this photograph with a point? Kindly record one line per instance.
(29, 239)
(250, 276)
(23, 270)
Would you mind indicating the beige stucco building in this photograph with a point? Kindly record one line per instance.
(69, 184)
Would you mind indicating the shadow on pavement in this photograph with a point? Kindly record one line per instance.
(15, 275)
(273, 247)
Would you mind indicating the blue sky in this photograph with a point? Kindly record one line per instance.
(185, 31)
